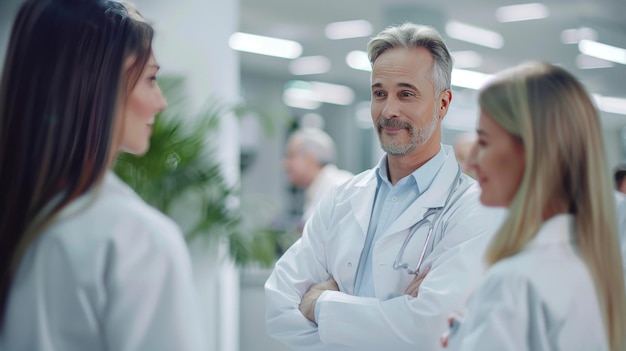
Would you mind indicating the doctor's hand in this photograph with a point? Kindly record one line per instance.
(414, 286)
(307, 305)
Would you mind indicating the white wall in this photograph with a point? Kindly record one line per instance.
(192, 40)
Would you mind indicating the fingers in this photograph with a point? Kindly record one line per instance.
(329, 284)
(444, 339)
(307, 304)
(332, 284)
(424, 272)
(413, 288)
(415, 284)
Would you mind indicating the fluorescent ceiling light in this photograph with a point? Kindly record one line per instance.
(475, 35)
(589, 62)
(319, 92)
(611, 104)
(309, 65)
(603, 51)
(298, 94)
(466, 59)
(258, 44)
(575, 35)
(333, 93)
(358, 60)
(291, 98)
(469, 79)
(348, 29)
(522, 12)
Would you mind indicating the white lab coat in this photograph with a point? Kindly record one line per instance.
(541, 299)
(111, 273)
(331, 247)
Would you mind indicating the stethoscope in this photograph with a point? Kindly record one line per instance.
(437, 212)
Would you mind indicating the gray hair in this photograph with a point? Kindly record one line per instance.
(409, 35)
(316, 142)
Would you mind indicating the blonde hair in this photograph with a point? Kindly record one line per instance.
(566, 170)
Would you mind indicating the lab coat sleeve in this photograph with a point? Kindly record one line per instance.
(498, 317)
(152, 299)
(301, 266)
(408, 323)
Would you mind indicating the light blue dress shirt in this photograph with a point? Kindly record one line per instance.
(391, 201)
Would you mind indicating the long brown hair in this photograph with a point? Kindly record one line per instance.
(551, 113)
(63, 83)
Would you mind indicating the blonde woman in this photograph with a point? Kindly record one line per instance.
(555, 280)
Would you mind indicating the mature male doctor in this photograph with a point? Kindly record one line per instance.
(389, 254)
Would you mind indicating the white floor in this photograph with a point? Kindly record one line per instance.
(253, 335)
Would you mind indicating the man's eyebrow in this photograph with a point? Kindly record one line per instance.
(408, 85)
(404, 85)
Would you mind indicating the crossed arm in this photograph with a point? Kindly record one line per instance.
(307, 305)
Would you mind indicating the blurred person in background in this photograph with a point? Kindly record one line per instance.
(462, 145)
(619, 175)
(310, 165)
(555, 280)
(85, 263)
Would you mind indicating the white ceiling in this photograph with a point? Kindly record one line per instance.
(304, 21)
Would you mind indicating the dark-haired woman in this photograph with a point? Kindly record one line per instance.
(85, 264)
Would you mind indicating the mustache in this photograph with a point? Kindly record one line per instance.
(394, 123)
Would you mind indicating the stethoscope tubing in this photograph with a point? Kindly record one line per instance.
(438, 211)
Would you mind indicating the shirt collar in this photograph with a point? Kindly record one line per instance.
(556, 230)
(423, 176)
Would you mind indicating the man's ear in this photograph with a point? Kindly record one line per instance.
(444, 99)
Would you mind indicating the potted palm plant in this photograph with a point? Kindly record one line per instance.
(181, 176)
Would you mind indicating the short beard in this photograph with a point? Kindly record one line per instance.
(418, 137)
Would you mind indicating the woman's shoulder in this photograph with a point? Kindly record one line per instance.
(118, 204)
(105, 230)
(113, 213)
(545, 270)
(122, 202)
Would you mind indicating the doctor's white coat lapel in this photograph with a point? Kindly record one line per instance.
(434, 197)
(390, 283)
(362, 202)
